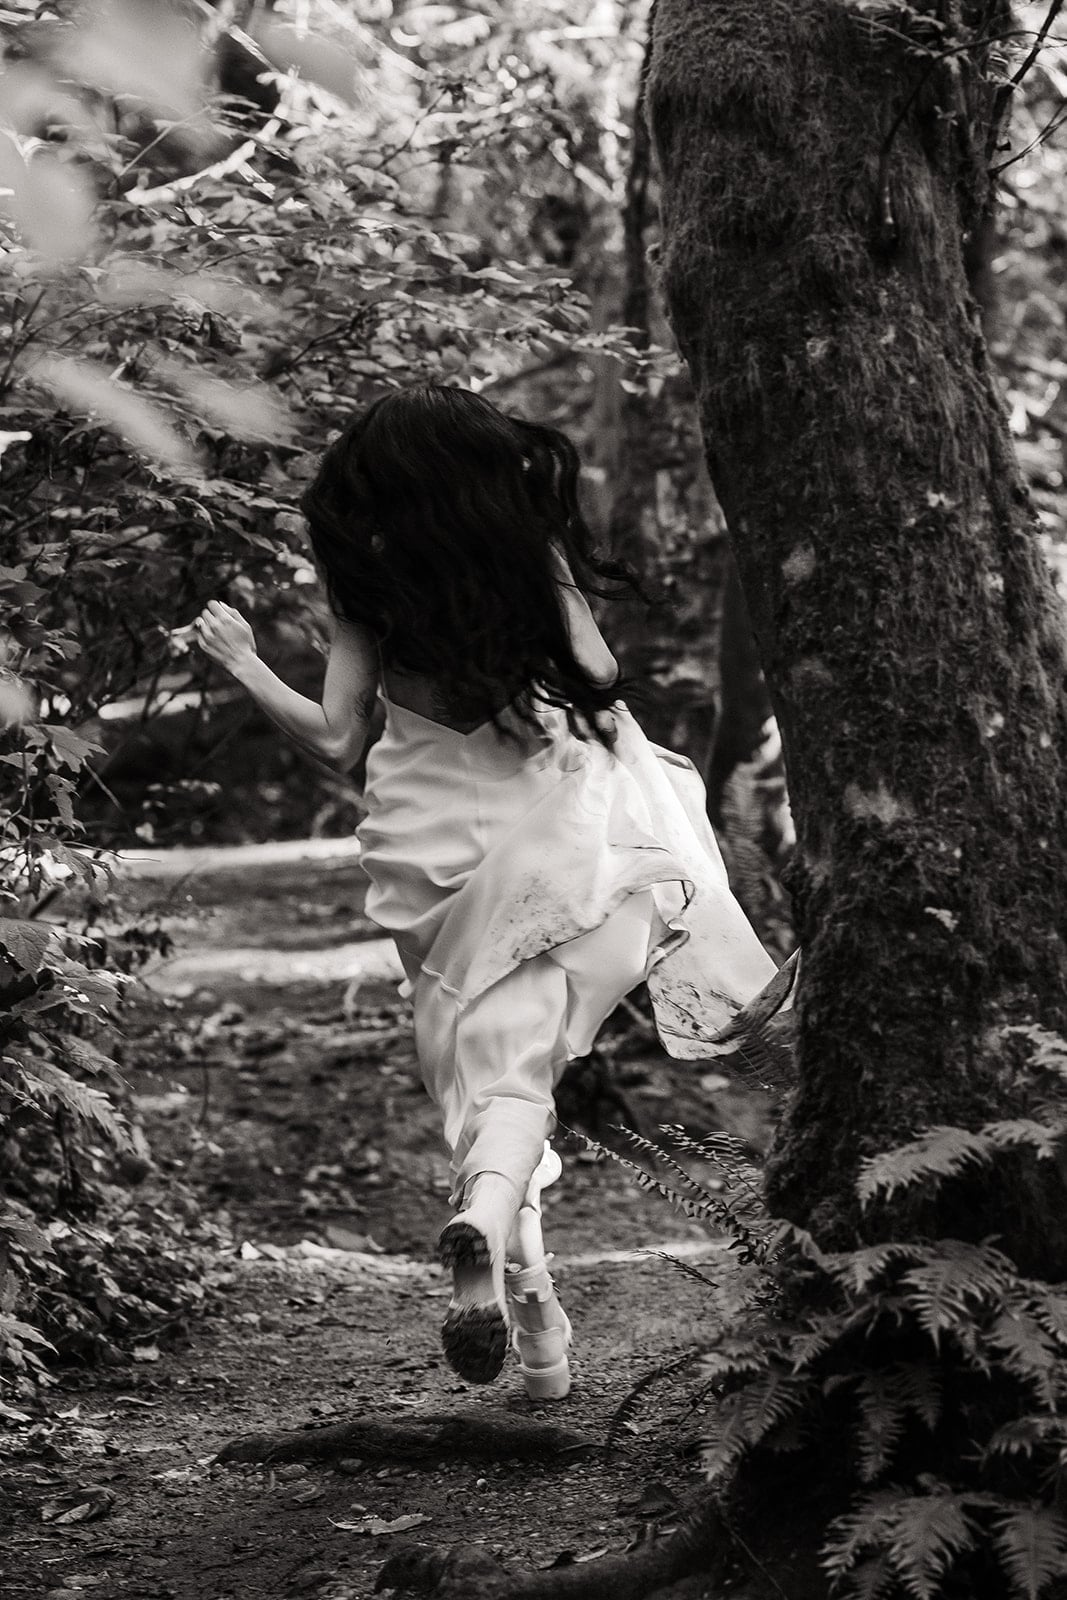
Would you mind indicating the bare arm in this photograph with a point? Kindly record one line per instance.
(334, 731)
(588, 643)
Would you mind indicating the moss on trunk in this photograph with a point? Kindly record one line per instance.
(909, 632)
(663, 516)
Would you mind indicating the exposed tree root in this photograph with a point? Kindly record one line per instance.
(701, 1544)
(482, 1436)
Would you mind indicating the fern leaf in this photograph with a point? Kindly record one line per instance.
(954, 1280)
(882, 1422)
(716, 1146)
(1050, 1309)
(741, 1357)
(752, 1415)
(857, 1269)
(942, 1153)
(917, 1386)
(729, 1153)
(657, 1153)
(929, 1531)
(868, 1525)
(886, 1400)
(803, 1346)
(1019, 1133)
(716, 1212)
(870, 1580)
(628, 1406)
(686, 1268)
(1031, 1542)
(1022, 1435)
(937, 1154)
(1029, 1352)
(1049, 1049)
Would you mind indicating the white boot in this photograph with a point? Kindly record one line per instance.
(541, 1331)
(474, 1245)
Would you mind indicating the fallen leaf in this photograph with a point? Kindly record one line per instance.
(307, 1495)
(81, 1505)
(375, 1525)
(146, 1352)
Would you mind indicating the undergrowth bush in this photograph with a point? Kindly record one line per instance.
(933, 1369)
(224, 230)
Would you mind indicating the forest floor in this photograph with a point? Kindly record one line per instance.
(273, 1066)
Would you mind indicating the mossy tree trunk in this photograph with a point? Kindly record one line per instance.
(662, 515)
(819, 182)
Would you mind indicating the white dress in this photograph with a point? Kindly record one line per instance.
(529, 886)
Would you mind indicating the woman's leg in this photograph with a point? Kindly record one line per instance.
(492, 1067)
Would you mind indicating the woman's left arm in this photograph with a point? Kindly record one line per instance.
(334, 731)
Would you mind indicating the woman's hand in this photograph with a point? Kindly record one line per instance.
(224, 635)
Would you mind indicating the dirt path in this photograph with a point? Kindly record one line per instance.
(274, 1066)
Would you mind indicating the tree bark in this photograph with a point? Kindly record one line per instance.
(819, 180)
(663, 516)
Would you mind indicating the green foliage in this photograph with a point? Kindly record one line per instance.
(220, 241)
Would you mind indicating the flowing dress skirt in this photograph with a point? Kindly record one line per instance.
(529, 886)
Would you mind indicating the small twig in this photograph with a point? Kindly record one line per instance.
(390, 155)
(1046, 133)
(1039, 43)
(218, 169)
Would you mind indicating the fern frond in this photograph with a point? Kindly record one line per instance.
(929, 1531)
(695, 1210)
(657, 1153)
(802, 1347)
(686, 1268)
(752, 1415)
(1044, 1303)
(856, 1270)
(715, 1211)
(886, 1400)
(942, 1153)
(882, 1423)
(937, 1154)
(1028, 1351)
(1045, 1139)
(1031, 1543)
(917, 1387)
(624, 1412)
(867, 1526)
(870, 1580)
(919, 1535)
(728, 1152)
(1022, 1435)
(954, 1280)
(1049, 1050)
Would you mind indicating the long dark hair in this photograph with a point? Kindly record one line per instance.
(432, 519)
